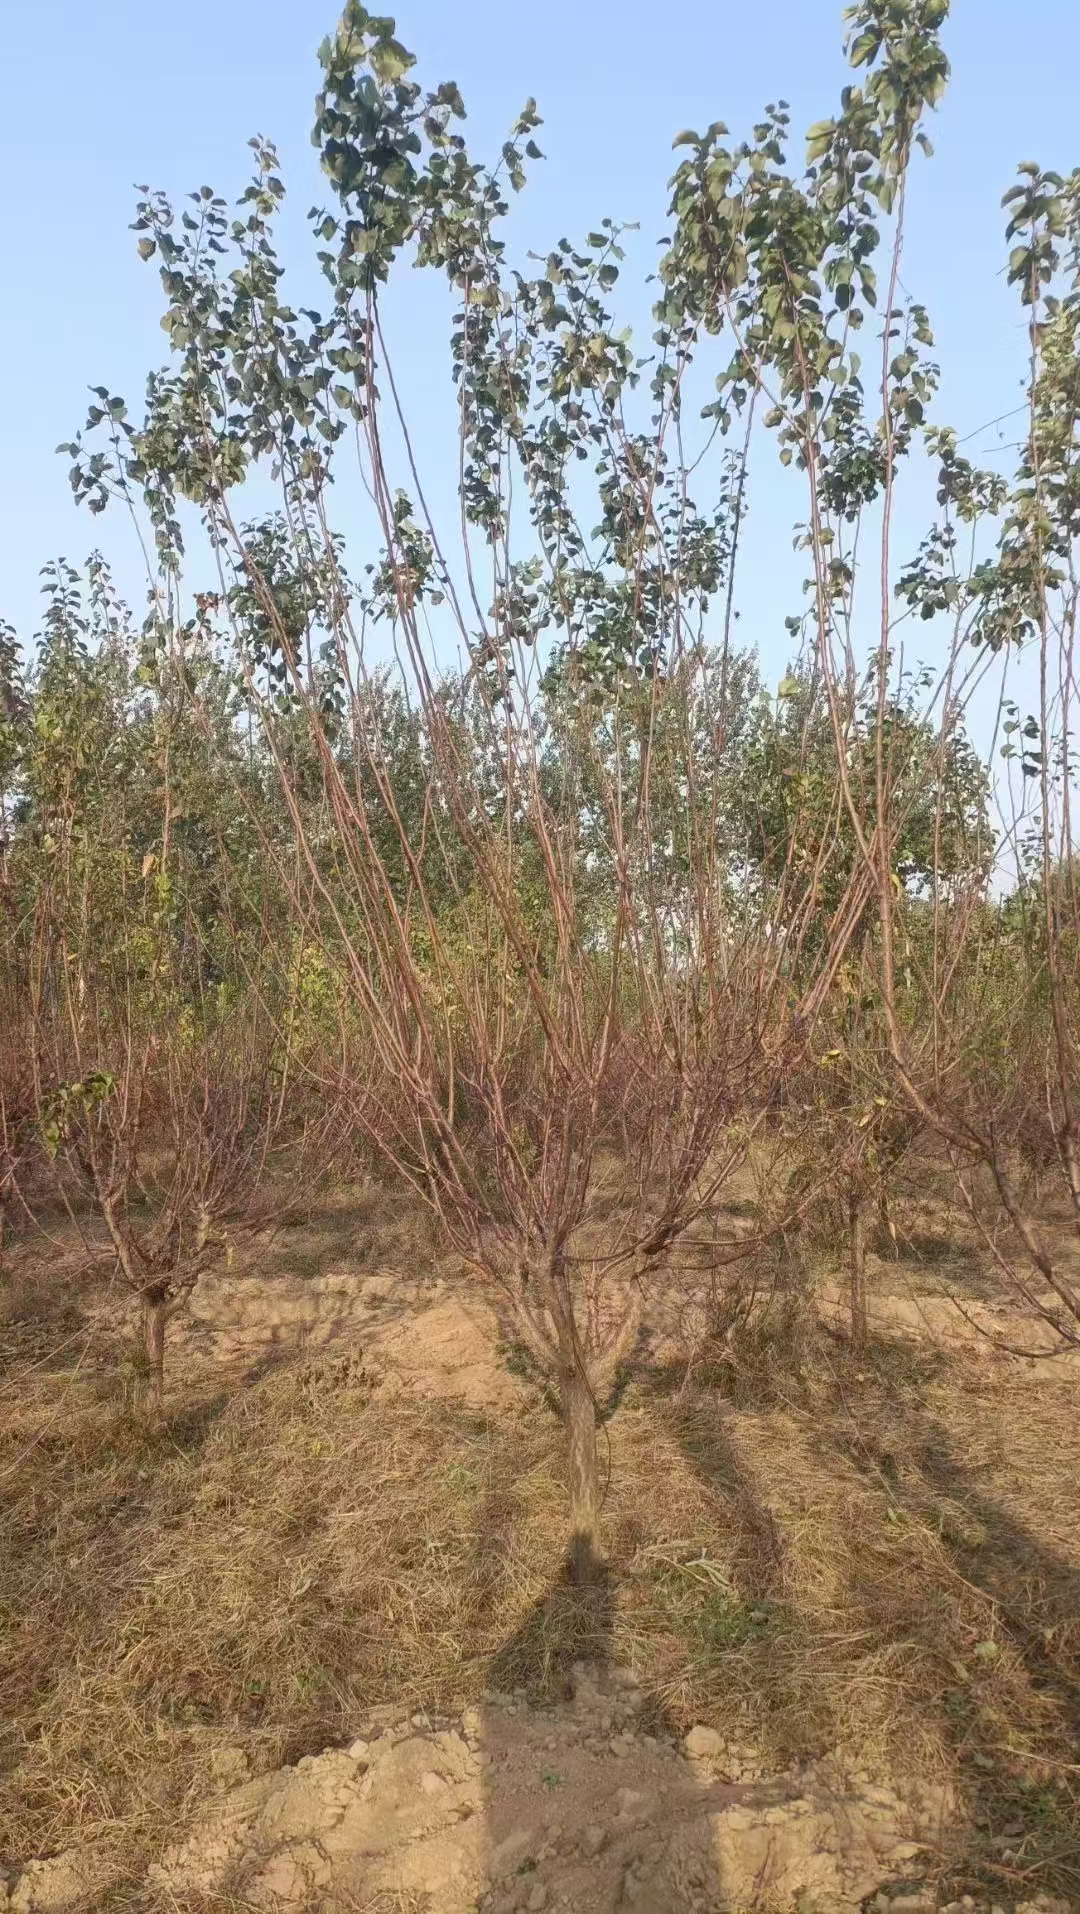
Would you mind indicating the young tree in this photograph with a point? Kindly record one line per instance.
(855, 1126)
(786, 263)
(16, 1090)
(154, 1045)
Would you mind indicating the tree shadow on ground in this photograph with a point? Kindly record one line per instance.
(981, 1611)
(584, 1794)
(729, 1597)
(573, 1622)
(188, 1425)
(899, 1445)
(756, 1559)
(994, 1622)
(933, 1265)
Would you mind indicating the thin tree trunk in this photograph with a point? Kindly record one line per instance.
(155, 1310)
(857, 1233)
(579, 1420)
(888, 1231)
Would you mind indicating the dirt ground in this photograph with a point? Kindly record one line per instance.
(309, 1643)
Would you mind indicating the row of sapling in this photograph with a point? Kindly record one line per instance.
(569, 929)
(563, 954)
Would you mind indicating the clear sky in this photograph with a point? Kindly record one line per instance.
(96, 97)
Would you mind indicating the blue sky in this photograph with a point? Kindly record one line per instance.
(93, 99)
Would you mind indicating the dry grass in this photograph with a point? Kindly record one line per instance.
(883, 1562)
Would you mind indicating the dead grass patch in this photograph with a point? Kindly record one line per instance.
(879, 1562)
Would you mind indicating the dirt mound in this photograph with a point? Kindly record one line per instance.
(511, 1808)
(446, 1351)
(250, 1313)
(985, 1329)
(72, 1880)
(415, 1336)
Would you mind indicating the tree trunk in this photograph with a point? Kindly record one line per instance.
(888, 1232)
(155, 1309)
(579, 1420)
(857, 1232)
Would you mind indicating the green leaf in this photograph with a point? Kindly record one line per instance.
(819, 139)
(390, 61)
